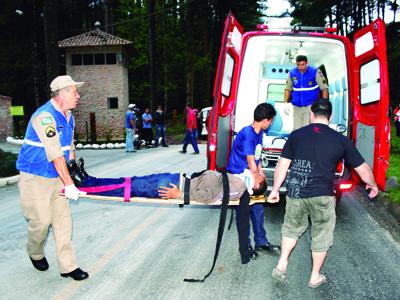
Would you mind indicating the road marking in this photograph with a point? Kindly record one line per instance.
(70, 289)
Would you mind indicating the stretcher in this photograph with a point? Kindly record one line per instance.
(253, 200)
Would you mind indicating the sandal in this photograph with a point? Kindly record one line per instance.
(279, 275)
(314, 286)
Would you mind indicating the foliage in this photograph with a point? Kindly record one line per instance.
(7, 164)
(348, 16)
(187, 41)
(394, 164)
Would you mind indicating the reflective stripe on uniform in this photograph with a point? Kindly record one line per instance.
(305, 89)
(37, 144)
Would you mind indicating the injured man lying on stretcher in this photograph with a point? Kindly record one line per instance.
(204, 187)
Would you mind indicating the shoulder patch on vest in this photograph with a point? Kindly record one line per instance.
(46, 121)
(50, 131)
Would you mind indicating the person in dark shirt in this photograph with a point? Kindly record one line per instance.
(159, 120)
(246, 154)
(312, 154)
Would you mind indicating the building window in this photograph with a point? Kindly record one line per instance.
(76, 59)
(88, 59)
(99, 59)
(112, 102)
(111, 58)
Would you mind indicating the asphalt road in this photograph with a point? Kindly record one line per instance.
(145, 251)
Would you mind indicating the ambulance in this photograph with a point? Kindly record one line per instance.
(253, 68)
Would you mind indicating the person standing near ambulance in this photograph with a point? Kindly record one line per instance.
(42, 162)
(245, 154)
(397, 119)
(303, 85)
(309, 159)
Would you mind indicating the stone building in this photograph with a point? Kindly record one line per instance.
(99, 59)
(6, 123)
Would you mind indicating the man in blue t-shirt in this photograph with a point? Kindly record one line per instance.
(130, 127)
(147, 126)
(245, 154)
(312, 154)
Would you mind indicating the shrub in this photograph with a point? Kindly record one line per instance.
(7, 164)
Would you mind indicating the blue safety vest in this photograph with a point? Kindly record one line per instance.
(32, 156)
(305, 88)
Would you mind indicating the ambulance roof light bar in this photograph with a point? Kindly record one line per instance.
(298, 28)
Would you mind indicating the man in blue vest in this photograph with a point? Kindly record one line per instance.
(42, 162)
(303, 85)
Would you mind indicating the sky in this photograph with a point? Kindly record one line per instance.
(277, 7)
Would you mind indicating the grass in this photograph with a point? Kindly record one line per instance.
(394, 164)
(175, 131)
(7, 164)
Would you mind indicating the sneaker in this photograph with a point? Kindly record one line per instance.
(269, 248)
(182, 151)
(252, 253)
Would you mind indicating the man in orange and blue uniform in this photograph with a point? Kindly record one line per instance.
(42, 162)
(303, 85)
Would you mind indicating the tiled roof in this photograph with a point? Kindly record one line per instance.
(93, 38)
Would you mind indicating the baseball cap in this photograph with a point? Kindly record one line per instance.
(63, 81)
(131, 105)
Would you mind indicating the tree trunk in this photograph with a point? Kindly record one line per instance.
(152, 29)
(35, 67)
(50, 10)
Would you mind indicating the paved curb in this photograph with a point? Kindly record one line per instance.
(9, 180)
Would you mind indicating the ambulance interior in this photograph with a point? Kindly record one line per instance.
(266, 66)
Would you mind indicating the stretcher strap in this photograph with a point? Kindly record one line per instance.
(221, 227)
(126, 185)
(186, 192)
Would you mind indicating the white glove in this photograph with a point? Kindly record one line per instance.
(71, 192)
(286, 108)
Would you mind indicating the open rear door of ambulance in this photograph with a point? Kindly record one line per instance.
(225, 89)
(371, 126)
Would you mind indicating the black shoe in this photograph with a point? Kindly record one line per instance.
(269, 248)
(40, 264)
(76, 274)
(182, 151)
(252, 253)
(195, 152)
(165, 145)
(81, 168)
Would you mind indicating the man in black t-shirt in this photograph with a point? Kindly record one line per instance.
(312, 154)
(159, 120)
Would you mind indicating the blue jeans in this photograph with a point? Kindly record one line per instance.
(190, 137)
(141, 186)
(130, 138)
(161, 132)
